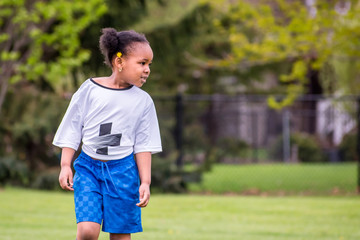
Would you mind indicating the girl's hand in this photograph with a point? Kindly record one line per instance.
(144, 191)
(66, 178)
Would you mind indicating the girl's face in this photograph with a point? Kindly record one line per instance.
(136, 64)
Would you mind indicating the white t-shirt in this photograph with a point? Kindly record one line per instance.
(111, 123)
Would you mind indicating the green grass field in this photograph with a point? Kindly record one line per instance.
(37, 215)
(314, 179)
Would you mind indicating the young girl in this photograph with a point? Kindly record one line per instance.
(117, 124)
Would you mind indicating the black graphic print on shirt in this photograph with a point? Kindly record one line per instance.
(106, 139)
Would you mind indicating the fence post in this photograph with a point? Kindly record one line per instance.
(254, 123)
(358, 144)
(286, 135)
(179, 108)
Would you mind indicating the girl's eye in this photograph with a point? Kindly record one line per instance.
(144, 63)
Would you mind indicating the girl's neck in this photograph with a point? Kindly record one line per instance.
(112, 81)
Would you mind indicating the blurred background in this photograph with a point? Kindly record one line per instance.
(253, 97)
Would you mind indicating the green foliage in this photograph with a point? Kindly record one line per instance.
(166, 177)
(174, 47)
(308, 148)
(161, 14)
(286, 32)
(40, 41)
(234, 148)
(348, 147)
(47, 181)
(28, 124)
(225, 150)
(14, 172)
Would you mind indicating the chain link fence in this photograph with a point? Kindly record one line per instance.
(207, 130)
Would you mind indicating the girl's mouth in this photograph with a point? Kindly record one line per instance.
(143, 79)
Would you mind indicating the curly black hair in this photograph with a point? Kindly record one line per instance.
(112, 41)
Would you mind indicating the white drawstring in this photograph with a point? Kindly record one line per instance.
(107, 168)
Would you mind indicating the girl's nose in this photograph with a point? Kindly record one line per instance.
(147, 69)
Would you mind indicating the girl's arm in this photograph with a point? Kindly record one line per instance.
(66, 174)
(143, 161)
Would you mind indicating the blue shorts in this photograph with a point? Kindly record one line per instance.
(107, 193)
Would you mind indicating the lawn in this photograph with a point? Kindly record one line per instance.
(314, 179)
(28, 214)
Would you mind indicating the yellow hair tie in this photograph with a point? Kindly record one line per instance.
(119, 54)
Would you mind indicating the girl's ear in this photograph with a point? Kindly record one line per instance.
(117, 62)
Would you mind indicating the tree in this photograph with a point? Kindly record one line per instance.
(311, 37)
(39, 40)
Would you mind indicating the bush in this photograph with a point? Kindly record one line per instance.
(347, 147)
(14, 172)
(167, 177)
(309, 150)
(233, 148)
(47, 181)
(28, 122)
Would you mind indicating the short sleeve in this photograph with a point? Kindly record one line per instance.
(70, 130)
(147, 133)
